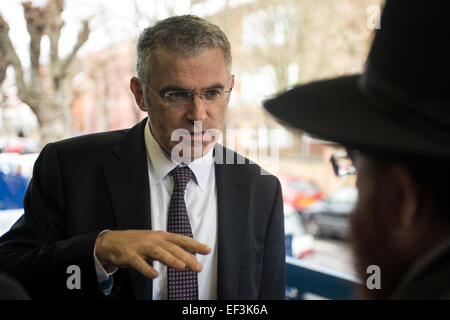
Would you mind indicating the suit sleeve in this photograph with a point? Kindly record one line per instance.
(36, 250)
(274, 262)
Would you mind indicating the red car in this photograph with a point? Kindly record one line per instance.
(299, 192)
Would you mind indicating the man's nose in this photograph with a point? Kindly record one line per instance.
(197, 110)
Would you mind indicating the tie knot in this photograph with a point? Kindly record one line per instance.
(181, 177)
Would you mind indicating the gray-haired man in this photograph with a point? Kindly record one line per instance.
(105, 202)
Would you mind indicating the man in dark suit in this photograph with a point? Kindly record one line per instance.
(10, 289)
(96, 210)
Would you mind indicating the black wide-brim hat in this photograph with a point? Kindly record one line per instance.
(400, 105)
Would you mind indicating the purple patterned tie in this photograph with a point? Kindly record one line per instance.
(182, 285)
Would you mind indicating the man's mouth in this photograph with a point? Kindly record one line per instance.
(197, 135)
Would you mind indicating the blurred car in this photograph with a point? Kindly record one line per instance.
(19, 145)
(299, 243)
(330, 216)
(298, 192)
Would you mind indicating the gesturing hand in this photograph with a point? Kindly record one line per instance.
(133, 248)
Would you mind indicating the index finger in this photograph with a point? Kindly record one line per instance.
(188, 243)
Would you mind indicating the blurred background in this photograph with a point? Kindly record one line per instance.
(65, 68)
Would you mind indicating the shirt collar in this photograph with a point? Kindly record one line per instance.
(160, 163)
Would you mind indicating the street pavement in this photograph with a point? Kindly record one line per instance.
(332, 253)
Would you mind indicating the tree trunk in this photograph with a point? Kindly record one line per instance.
(46, 93)
(52, 121)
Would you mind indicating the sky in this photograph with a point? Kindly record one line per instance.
(111, 21)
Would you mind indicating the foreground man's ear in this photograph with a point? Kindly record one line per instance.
(408, 204)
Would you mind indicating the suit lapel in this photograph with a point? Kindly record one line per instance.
(127, 181)
(232, 200)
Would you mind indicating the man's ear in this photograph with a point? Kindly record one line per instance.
(136, 88)
(408, 201)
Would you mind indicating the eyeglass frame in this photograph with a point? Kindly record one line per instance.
(190, 93)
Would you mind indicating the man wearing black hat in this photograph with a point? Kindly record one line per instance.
(394, 120)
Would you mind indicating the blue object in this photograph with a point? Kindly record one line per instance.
(304, 277)
(12, 190)
(288, 244)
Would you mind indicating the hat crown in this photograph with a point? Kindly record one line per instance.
(400, 105)
(411, 48)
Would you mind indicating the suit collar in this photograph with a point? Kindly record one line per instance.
(127, 182)
(159, 162)
(232, 198)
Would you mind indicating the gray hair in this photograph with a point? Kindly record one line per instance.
(186, 35)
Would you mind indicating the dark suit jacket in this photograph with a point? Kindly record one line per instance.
(10, 289)
(87, 184)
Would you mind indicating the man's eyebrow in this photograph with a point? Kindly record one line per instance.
(215, 86)
(173, 88)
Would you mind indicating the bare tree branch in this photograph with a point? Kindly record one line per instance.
(3, 67)
(82, 38)
(49, 100)
(142, 15)
(11, 57)
(36, 21)
(54, 9)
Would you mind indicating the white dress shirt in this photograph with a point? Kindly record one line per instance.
(201, 204)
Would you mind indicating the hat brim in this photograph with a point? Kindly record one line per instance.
(336, 110)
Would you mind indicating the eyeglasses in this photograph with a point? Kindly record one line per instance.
(342, 162)
(185, 97)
